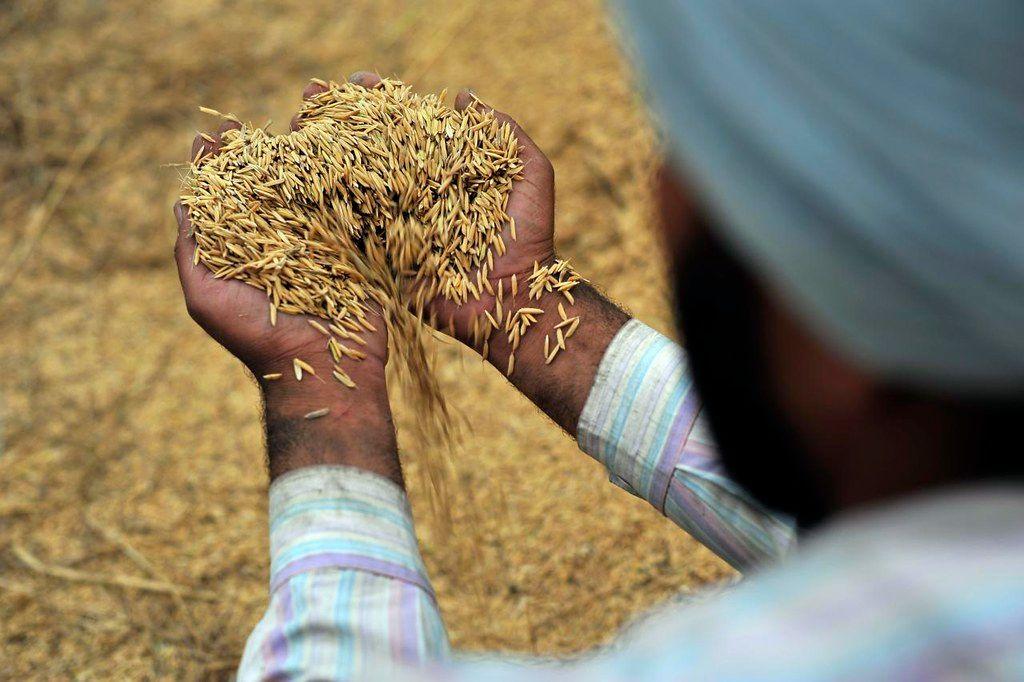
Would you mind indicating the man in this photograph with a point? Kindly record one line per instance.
(850, 279)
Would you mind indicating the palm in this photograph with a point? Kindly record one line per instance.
(531, 205)
(237, 315)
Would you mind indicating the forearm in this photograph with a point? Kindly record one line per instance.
(349, 593)
(560, 388)
(643, 421)
(626, 394)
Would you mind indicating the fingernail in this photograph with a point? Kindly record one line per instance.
(177, 211)
(357, 77)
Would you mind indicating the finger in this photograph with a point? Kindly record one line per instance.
(192, 275)
(312, 90)
(367, 79)
(206, 144)
(529, 152)
(229, 124)
(219, 137)
(467, 97)
(202, 147)
(184, 247)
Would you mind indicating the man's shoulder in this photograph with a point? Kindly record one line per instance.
(925, 587)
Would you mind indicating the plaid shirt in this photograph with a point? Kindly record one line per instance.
(932, 588)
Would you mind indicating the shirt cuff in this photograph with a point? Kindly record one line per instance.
(342, 518)
(640, 412)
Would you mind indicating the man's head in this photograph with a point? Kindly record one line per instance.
(804, 429)
(851, 265)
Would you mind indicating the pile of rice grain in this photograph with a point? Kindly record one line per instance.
(379, 193)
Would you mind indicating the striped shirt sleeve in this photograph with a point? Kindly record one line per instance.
(348, 588)
(643, 421)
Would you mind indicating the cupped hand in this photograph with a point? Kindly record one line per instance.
(237, 316)
(531, 204)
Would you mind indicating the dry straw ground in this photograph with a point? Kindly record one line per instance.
(132, 493)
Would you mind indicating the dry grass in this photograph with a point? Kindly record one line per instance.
(131, 443)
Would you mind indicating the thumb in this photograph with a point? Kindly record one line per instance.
(189, 272)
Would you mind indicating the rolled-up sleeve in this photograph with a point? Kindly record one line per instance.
(348, 589)
(643, 420)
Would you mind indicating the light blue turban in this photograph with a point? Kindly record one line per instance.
(867, 158)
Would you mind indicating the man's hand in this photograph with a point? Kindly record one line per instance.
(358, 430)
(531, 204)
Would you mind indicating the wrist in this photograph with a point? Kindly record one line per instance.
(529, 347)
(305, 380)
(471, 325)
(320, 421)
(534, 318)
(558, 379)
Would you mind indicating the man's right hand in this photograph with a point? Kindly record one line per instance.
(531, 205)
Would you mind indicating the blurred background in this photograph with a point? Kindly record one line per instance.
(132, 482)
